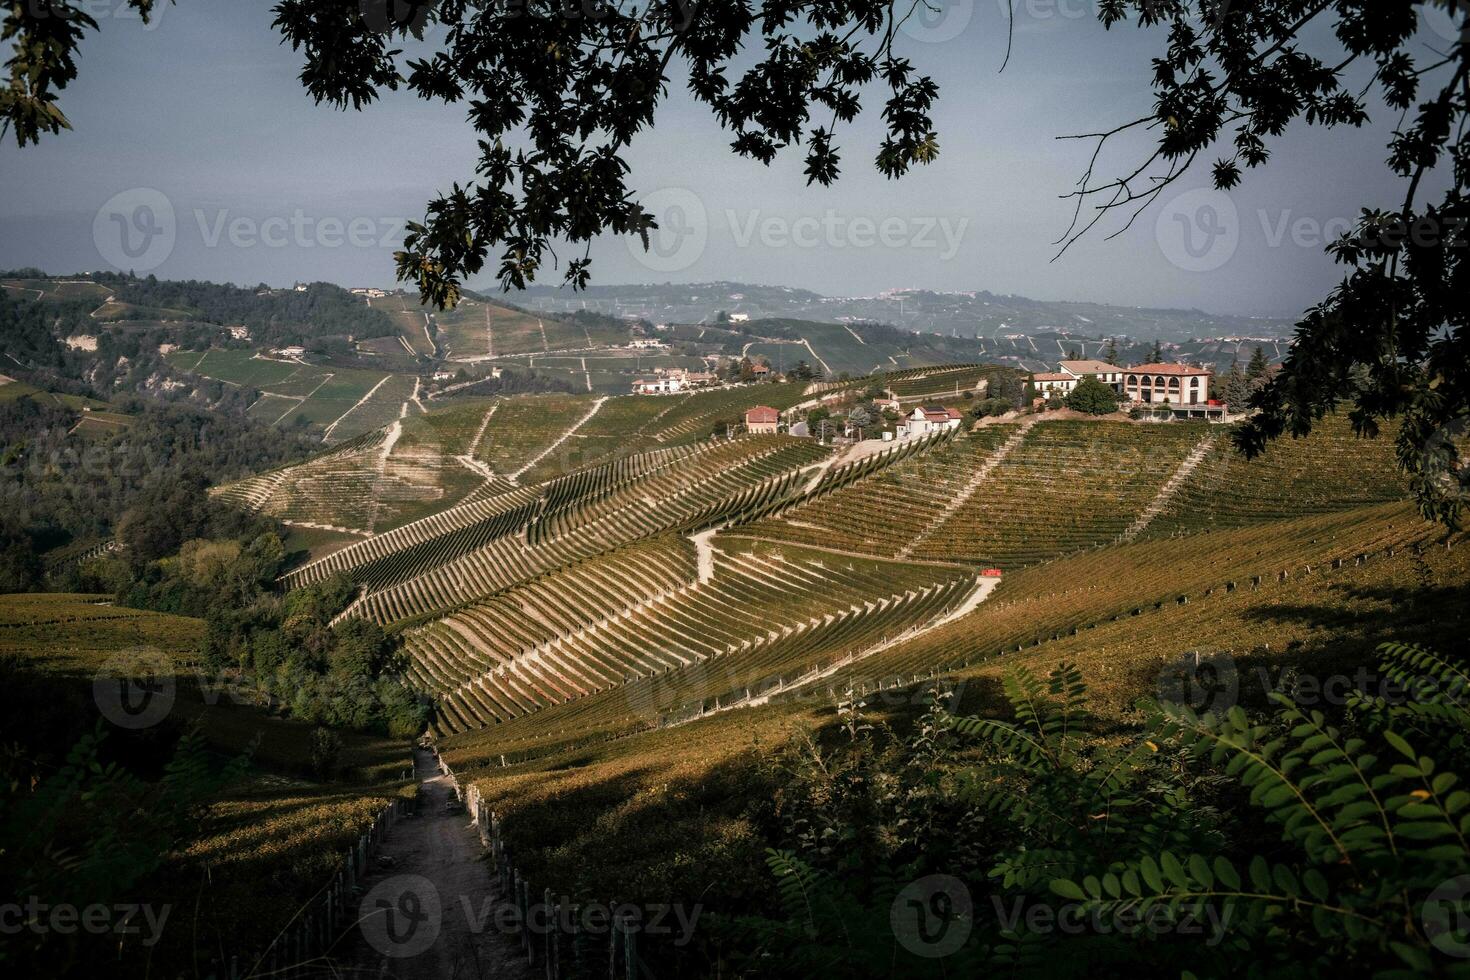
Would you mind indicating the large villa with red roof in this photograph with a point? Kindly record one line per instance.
(1173, 384)
(1182, 388)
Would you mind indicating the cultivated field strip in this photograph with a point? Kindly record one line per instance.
(1070, 484)
(813, 599)
(883, 514)
(1331, 469)
(254, 493)
(712, 490)
(412, 546)
(502, 510)
(372, 483)
(528, 427)
(477, 637)
(709, 474)
(948, 381)
(1055, 598)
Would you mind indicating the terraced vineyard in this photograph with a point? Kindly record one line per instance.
(883, 515)
(718, 484)
(664, 575)
(1051, 600)
(1126, 588)
(1329, 470)
(1068, 485)
(812, 607)
(945, 382)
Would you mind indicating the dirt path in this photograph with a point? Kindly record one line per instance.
(436, 873)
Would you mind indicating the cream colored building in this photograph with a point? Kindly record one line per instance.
(1174, 384)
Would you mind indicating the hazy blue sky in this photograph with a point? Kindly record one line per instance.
(205, 109)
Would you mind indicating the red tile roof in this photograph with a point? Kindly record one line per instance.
(1184, 369)
(938, 413)
(1052, 376)
(761, 413)
(1089, 367)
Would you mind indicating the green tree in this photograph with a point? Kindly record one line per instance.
(1236, 388)
(361, 649)
(1156, 355)
(1093, 397)
(1111, 356)
(1256, 369)
(326, 753)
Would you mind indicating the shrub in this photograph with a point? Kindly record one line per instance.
(1093, 397)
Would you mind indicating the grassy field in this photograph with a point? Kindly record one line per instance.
(524, 428)
(55, 289)
(356, 400)
(266, 846)
(76, 638)
(10, 390)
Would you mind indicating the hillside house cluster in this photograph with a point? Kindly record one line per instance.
(1182, 388)
(927, 420)
(670, 381)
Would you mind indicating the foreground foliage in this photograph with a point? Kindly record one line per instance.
(1208, 843)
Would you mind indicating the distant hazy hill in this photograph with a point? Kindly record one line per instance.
(967, 314)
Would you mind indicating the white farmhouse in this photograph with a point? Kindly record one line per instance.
(1109, 374)
(928, 419)
(1046, 382)
(668, 384)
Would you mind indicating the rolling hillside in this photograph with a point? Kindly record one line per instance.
(627, 618)
(572, 563)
